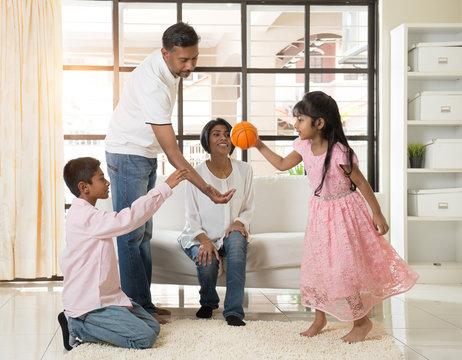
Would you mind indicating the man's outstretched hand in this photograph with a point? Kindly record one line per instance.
(216, 196)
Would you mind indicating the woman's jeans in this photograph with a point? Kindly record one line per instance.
(235, 250)
(133, 176)
(127, 328)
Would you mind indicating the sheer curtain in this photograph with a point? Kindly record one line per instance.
(31, 150)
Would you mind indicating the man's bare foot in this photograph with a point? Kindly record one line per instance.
(162, 311)
(315, 328)
(159, 319)
(359, 332)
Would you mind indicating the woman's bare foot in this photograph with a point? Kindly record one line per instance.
(318, 324)
(359, 332)
(162, 311)
(159, 319)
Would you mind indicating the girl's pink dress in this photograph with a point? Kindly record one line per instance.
(347, 267)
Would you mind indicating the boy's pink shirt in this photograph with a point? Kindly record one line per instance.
(88, 262)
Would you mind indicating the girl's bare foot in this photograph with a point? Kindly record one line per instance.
(359, 332)
(159, 319)
(314, 329)
(317, 325)
(162, 311)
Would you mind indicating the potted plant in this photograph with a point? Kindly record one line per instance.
(416, 153)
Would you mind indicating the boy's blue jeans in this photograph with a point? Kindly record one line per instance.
(235, 250)
(127, 328)
(132, 176)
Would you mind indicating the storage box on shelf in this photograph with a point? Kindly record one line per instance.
(435, 202)
(435, 56)
(429, 75)
(444, 154)
(436, 105)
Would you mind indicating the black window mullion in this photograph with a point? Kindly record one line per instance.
(371, 119)
(372, 82)
(244, 75)
(180, 136)
(307, 47)
(115, 50)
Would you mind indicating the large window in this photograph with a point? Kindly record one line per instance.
(257, 59)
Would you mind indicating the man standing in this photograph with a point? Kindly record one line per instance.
(141, 128)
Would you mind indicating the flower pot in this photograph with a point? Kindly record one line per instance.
(416, 162)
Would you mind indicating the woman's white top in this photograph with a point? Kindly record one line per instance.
(204, 216)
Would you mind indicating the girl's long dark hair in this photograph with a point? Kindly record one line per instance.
(317, 104)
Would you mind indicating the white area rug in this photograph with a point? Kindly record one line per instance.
(213, 339)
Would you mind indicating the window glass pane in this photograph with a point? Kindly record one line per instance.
(192, 152)
(207, 96)
(276, 36)
(142, 26)
(338, 37)
(81, 148)
(87, 101)
(219, 26)
(360, 149)
(261, 166)
(87, 32)
(271, 100)
(350, 93)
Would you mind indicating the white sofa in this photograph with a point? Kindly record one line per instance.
(275, 242)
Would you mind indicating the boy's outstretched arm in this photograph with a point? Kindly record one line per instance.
(112, 224)
(276, 160)
(176, 177)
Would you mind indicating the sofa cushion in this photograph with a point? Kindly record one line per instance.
(170, 265)
(281, 204)
(274, 251)
(171, 215)
(269, 257)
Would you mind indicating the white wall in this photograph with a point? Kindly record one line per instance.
(391, 14)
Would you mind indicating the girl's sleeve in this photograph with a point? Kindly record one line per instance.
(298, 145)
(340, 155)
(107, 225)
(248, 206)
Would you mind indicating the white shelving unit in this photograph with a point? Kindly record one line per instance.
(431, 245)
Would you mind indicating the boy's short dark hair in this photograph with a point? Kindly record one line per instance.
(179, 34)
(77, 170)
(205, 133)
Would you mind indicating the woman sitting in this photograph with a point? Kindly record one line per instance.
(213, 230)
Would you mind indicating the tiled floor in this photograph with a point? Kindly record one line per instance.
(426, 322)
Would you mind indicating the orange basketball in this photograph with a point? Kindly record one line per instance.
(244, 135)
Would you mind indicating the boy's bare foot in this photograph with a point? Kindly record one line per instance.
(161, 311)
(359, 332)
(315, 328)
(159, 319)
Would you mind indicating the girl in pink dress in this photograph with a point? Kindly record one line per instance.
(347, 265)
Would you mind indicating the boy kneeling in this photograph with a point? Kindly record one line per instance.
(96, 309)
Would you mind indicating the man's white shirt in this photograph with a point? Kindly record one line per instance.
(148, 98)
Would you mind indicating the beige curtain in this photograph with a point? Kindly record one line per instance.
(31, 147)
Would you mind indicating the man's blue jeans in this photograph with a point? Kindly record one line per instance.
(235, 250)
(132, 176)
(128, 328)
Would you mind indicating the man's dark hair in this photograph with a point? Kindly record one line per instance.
(205, 133)
(179, 34)
(77, 170)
